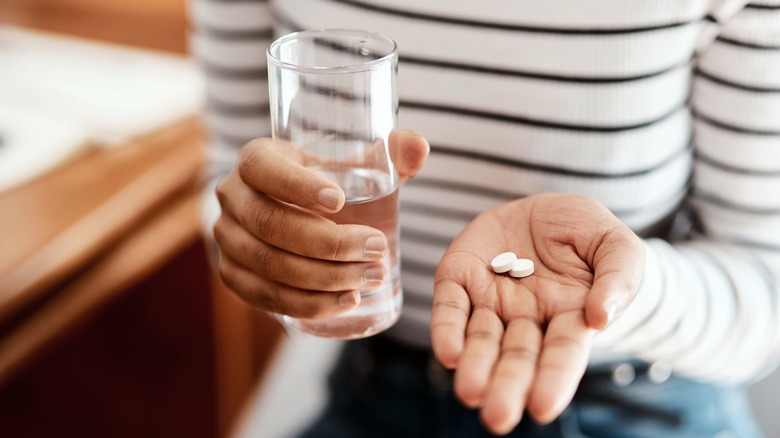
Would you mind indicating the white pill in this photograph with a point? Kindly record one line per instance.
(503, 262)
(522, 268)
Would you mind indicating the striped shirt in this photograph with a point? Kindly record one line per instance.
(666, 111)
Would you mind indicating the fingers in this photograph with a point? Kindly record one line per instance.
(280, 255)
(483, 337)
(278, 298)
(619, 263)
(265, 166)
(565, 351)
(512, 376)
(408, 151)
(298, 231)
(262, 168)
(291, 269)
(450, 313)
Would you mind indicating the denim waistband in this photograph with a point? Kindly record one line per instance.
(602, 383)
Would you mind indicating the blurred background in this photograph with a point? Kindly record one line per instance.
(112, 323)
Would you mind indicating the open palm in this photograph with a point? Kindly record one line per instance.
(518, 344)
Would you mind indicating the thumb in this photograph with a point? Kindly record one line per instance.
(408, 150)
(618, 265)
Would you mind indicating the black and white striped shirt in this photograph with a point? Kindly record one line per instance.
(661, 110)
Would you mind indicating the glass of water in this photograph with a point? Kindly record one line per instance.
(333, 97)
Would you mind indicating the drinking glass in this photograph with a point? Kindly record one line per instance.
(333, 98)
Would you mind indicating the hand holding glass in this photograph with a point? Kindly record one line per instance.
(333, 96)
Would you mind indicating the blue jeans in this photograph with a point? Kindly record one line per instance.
(382, 389)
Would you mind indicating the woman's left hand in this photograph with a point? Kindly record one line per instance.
(524, 344)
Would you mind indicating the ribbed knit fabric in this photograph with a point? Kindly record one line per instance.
(666, 111)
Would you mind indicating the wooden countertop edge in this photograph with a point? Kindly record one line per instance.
(168, 232)
(96, 231)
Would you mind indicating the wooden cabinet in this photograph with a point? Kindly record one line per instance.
(155, 24)
(111, 320)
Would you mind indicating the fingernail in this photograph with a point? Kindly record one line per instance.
(349, 299)
(373, 275)
(374, 246)
(329, 198)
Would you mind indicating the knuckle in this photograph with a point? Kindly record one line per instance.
(264, 295)
(274, 222)
(483, 335)
(328, 244)
(268, 299)
(247, 162)
(219, 231)
(242, 248)
(269, 219)
(236, 248)
(563, 342)
(268, 263)
(449, 306)
(224, 275)
(284, 224)
(250, 158)
(222, 190)
(335, 278)
(229, 279)
(333, 245)
(338, 243)
(521, 353)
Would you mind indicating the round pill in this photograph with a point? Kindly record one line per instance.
(522, 268)
(503, 262)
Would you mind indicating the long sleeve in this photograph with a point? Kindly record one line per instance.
(229, 40)
(523, 96)
(710, 306)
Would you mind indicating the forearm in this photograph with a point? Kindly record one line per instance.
(708, 309)
(709, 306)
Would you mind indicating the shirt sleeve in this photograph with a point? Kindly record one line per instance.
(710, 306)
(229, 40)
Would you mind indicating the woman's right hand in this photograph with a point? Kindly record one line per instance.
(277, 253)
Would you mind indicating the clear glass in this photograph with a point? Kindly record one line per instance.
(333, 96)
